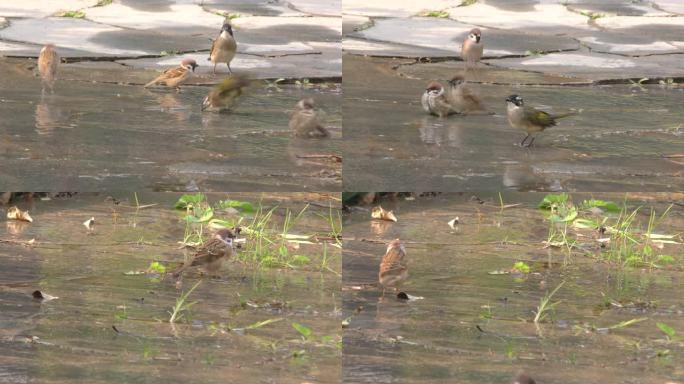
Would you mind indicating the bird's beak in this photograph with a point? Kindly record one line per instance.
(477, 38)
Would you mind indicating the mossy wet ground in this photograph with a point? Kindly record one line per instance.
(458, 274)
(71, 338)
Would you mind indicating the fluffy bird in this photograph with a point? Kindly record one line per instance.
(224, 47)
(435, 101)
(461, 97)
(226, 94)
(393, 268)
(529, 119)
(48, 60)
(174, 77)
(212, 253)
(304, 120)
(472, 48)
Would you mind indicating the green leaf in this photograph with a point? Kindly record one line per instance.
(300, 260)
(585, 224)
(206, 215)
(605, 205)
(260, 324)
(304, 331)
(667, 330)
(666, 259)
(564, 215)
(522, 267)
(553, 198)
(241, 206)
(157, 267)
(189, 200)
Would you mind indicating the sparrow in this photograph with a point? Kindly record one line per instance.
(435, 102)
(304, 120)
(393, 268)
(212, 253)
(174, 77)
(48, 60)
(529, 119)
(461, 97)
(225, 95)
(224, 47)
(472, 48)
(523, 378)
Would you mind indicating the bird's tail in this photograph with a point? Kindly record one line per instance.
(181, 267)
(567, 114)
(151, 83)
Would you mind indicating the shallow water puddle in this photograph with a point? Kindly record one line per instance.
(241, 328)
(94, 136)
(465, 277)
(391, 143)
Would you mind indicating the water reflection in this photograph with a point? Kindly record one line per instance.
(50, 116)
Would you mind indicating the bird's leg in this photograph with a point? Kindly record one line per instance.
(229, 70)
(215, 68)
(522, 143)
(531, 141)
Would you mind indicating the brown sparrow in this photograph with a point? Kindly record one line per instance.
(529, 119)
(472, 48)
(393, 267)
(226, 94)
(461, 97)
(435, 102)
(48, 60)
(523, 378)
(304, 120)
(224, 47)
(212, 253)
(174, 77)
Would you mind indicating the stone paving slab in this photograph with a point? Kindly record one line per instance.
(673, 6)
(397, 8)
(41, 8)
(302, 41)
(601, 40)
(352, 23)
(180, 19)
(445, 35)
(597, 66)
(319, 7)
(615, 8)
(543, 18)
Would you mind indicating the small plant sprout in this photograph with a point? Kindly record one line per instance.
(667, 330)
(545, 305)
(303, 330)
(182, 307)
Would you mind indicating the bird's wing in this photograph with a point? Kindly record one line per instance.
(213, 45)
(172, 73)
(211, 250)
(472, 99)
(393, 261)
(538, 117)
(441, 102)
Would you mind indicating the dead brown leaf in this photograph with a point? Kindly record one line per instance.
(14, 213)
(380, 214)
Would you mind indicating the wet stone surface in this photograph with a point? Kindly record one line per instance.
(71, 339)
(98, 136)
(461, 276)
(588, 151)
